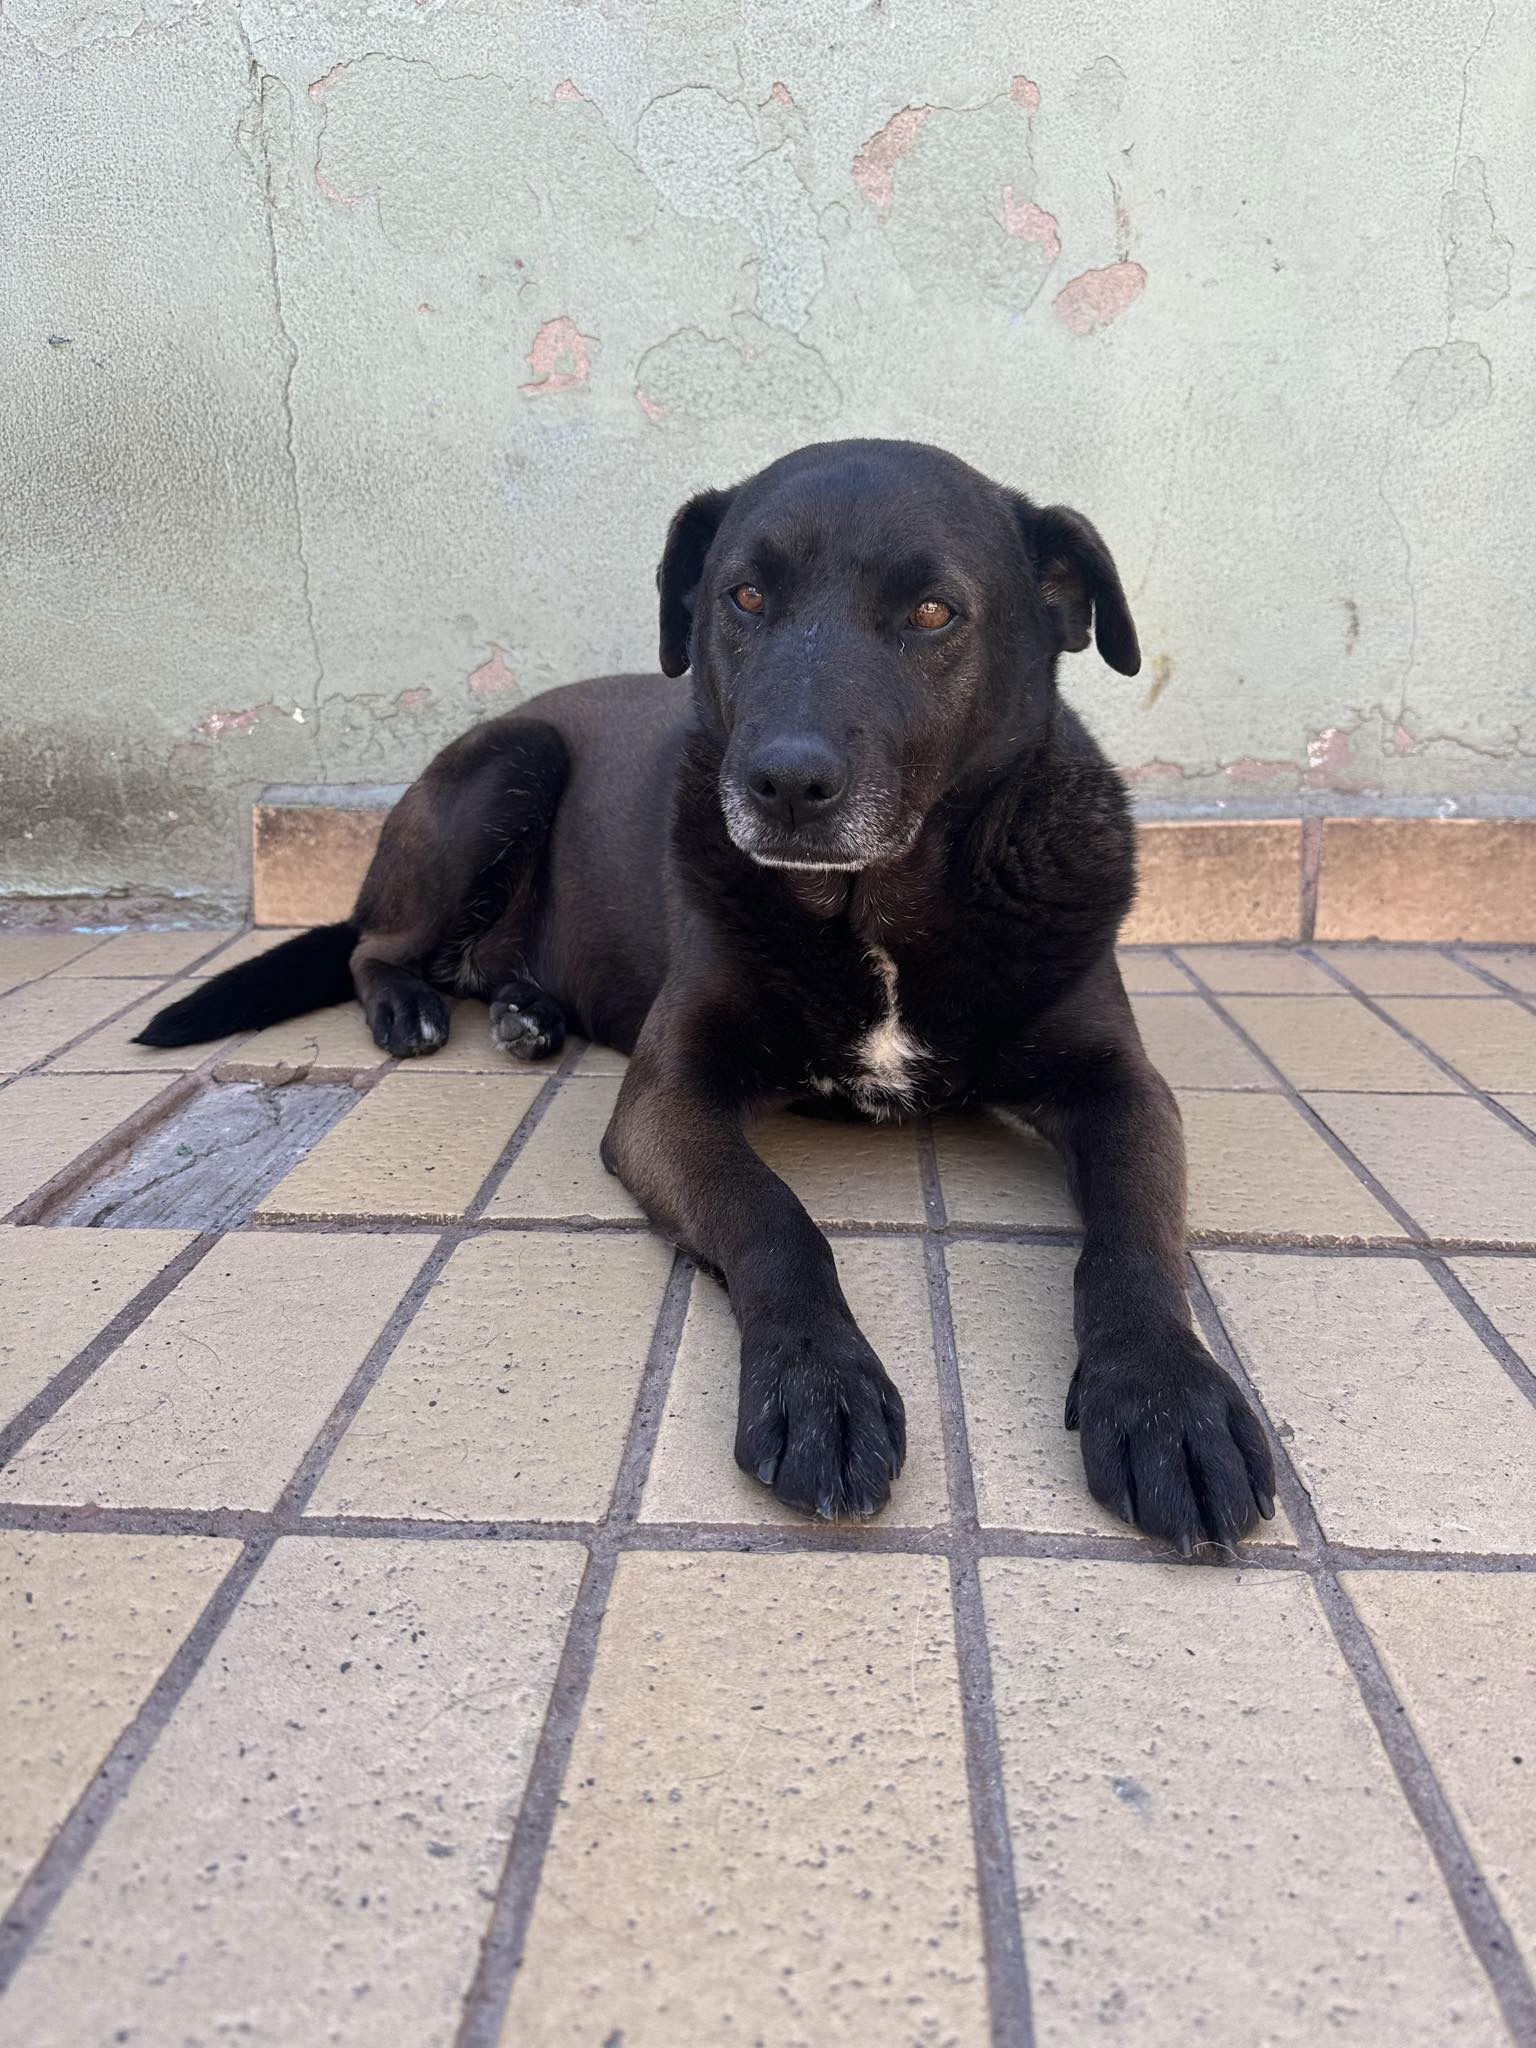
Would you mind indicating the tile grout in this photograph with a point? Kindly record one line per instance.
(71, 1376)
(1318, 1123)
(1004, 1953)
(73, 1839)
(506, 1931)
(1426, 1051)
(1470, 1893)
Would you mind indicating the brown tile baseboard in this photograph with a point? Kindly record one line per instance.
(1428, 879)
(1203, 880)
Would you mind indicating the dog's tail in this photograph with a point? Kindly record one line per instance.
(304, 973)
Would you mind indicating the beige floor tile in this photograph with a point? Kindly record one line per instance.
(1317, 1043)
(1012, 1307)
(1521, 1106)
(249, 946)
(1505, 1290)
(994, 1169)
(1402, 971)
(1148, 974)
(326, 1045)
(308, 1852)
(111, 1049)
(1518, 969)
(50, 1119)
(1257, 1169)
(512, 1390)
(601, 1059)
(1208, 1839)
(411, 1148)
(559, 1172)
(37, 1020)
(1191, 1047)
(215, 1398)
(151, 953)
(845, 1173)
(765, 1834)
(1460, 1650)
(59, 1288)
(90, 1623)
(25, 955)
(1258, 970)
(1466, 1177)
(1405, 1430)
(695, 1478)
(1493, 1043)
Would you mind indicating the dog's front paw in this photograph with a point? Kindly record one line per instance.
(1168, 1440)
(409, 1023)
(820, 1420)
(531, 1028)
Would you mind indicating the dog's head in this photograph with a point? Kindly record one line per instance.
(868, 623)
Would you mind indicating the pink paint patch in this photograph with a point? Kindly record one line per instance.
(492, 675)
(1099, 296)
(1403, 741)
(1032, 223)
(408, 700)
(560, 359)
(217, 723)
(1024, 93)
(875, 164)
(1147, 771)
(782, 94)
(423, 307)
(336, 71)
(1249, 768)
(341, 198)
(568, 89)
(650, 408)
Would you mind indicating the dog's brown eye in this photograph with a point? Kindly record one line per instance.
(748, 597)
(931, 614)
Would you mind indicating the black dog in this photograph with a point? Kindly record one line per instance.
(870, 855)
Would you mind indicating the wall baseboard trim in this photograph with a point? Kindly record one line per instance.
(1215, 880)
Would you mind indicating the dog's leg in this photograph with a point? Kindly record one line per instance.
(455, 865)
(818, 1419)
(1168, 1440)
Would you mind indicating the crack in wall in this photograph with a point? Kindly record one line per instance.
(255, 141)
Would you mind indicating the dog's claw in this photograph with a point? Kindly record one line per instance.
(767, 1470)
(1266, 1503)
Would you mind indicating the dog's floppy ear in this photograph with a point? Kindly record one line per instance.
(693, 527)
(1080, 583)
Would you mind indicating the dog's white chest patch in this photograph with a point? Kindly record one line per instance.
(888, 1060)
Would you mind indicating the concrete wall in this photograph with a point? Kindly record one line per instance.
(357, 354)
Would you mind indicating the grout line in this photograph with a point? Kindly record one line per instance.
(1475, 1907)
(40, 1064)
(1044, 1235)
(706, 1538)
(1002, 1929)
(297, 1493)
(1304, 1108)
(1456, 1292)
(1427, 1052)
(73, 1839)
(68, 1380)
(1290, 1489)
(524, 1129)
(506, 1934)
(1311, 875)
(1497, 985)
(935, 1209)
(32, 980)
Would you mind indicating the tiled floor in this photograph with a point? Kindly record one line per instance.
(396, 1656)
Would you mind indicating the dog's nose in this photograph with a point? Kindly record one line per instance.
(792, 780)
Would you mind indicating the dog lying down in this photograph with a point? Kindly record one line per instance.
(867, 856)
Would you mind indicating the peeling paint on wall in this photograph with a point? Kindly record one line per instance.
(1099, 296)
(874, 168)
(560, 358)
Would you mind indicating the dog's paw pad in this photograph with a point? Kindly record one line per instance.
(528, 1031)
